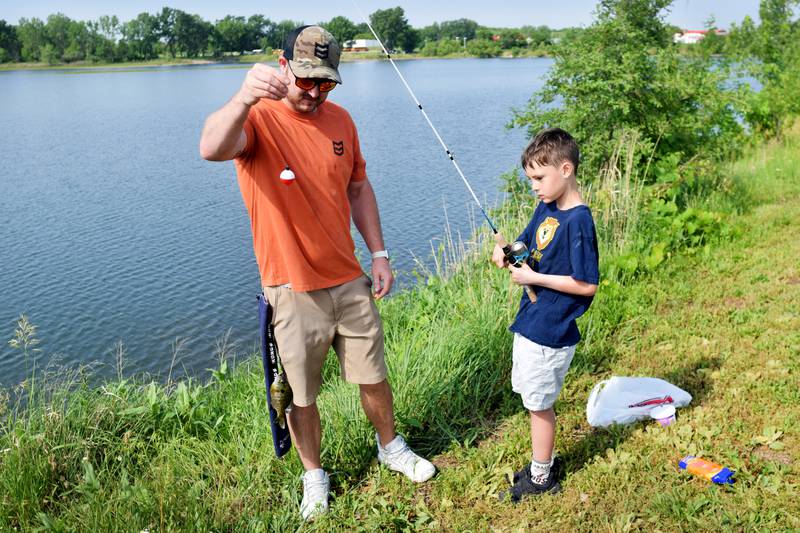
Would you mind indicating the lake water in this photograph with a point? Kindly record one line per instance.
(113, 229)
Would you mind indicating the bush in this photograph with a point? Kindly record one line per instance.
(623, 74)
(73, 53)
(769, 53)
(48, 54)
(443, 47)
(778, 101)
(483, 48)
(447, 47)
(429, 49)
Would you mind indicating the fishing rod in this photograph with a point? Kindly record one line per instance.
(424, 114)
(515, 255)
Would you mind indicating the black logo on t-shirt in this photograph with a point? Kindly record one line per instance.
(338, 147)
(321, 50)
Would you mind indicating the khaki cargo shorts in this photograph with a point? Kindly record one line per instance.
(307, 324)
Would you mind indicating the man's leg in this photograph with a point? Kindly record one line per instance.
(306, 433)
(377, 403)
(359, 345)
(304, 328)
(392, 448)
(306, 430)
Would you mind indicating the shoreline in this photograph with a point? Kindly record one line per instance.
(239, 62)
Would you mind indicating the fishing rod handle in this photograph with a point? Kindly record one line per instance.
(531, 294)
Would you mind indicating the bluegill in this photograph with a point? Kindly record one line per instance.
(280, 395)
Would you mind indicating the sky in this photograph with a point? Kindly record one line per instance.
(688, 14)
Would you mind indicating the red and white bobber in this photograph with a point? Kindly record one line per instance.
(287, 176)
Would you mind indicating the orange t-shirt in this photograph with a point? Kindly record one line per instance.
(301, 228)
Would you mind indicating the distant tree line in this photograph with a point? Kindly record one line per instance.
(176, 33)
(171, 32)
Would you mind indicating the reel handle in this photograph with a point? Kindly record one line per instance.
(503, 243)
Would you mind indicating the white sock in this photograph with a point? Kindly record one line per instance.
(318, 474)
(540, 471)
(394, 445)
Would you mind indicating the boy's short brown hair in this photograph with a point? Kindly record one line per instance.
(552, 146)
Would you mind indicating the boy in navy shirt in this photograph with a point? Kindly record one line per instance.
(563, 244)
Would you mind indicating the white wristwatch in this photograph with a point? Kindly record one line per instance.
(380, 253)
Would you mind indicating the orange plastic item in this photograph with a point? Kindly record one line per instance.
(703, 468)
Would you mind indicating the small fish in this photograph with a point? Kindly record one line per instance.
(280, 395)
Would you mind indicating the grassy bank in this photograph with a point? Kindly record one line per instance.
(714, 316)
(243, 60)
(722, 324)
(160, 62)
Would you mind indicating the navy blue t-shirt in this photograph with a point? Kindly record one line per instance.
(561, 243)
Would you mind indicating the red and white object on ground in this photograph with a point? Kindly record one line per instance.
(623, 400)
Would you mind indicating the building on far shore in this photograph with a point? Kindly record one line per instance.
(694, 36)
(360, 45)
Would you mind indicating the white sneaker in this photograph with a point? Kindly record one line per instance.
(316, 486)
(399, 457)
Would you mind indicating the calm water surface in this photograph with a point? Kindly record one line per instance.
(113, 229)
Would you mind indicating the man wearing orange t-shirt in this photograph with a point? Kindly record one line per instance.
(302, 178)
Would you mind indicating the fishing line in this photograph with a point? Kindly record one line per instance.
(424, 114)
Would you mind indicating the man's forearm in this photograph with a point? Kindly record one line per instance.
(364, 209)
(223, 133)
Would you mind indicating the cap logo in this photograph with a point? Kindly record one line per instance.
(321, 50)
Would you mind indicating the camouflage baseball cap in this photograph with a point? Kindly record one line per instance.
(312, 52)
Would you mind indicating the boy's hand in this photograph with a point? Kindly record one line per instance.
(523, 275)
(498, 257)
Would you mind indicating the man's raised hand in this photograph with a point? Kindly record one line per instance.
(263, 81)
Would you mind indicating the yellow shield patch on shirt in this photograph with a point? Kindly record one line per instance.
(545, 232)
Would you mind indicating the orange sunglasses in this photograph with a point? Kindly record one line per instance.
(308, 84)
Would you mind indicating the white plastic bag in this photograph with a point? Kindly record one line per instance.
(622, 400)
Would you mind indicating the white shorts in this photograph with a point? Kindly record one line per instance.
(538, 372)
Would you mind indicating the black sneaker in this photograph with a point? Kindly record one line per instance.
(526, 471)
(525, 486)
